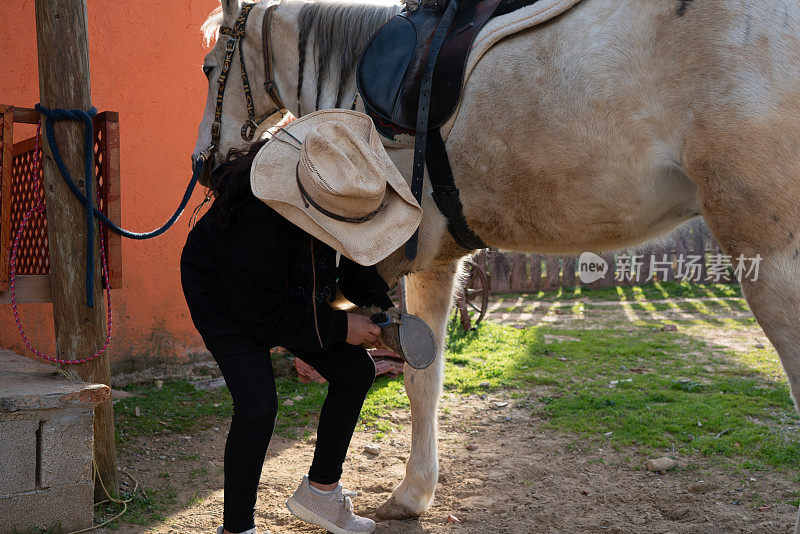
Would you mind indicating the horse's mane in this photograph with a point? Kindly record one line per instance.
(211, 26)
(338, 31)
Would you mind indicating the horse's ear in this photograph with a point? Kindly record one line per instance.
(230, 8)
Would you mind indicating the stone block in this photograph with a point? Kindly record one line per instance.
(29, 385)
(46, 443)
(66, 450)
(18, 443)
(67, 506)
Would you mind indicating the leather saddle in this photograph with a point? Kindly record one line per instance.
(391, 68)
(410, 77)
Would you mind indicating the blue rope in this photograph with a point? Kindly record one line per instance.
(54, 115)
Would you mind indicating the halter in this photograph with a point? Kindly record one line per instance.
(236, 35)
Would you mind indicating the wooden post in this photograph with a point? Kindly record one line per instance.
(519, 272)
(553, 273)
(680, 258)
(644, 269)
(699, 249)
(480, 259)
(665, 254)
(536, 272)
(463, 312)
(6, 160)
(568, 275)
(610, 278)
(62, 39)
(501, 273)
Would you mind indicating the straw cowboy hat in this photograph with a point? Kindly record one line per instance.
(329, 174)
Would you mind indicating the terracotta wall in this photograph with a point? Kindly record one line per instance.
(145, 63)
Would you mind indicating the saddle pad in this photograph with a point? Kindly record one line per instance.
(501, 27)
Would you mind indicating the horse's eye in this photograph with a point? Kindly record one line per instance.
(207, 70)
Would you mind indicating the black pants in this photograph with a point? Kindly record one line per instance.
(349, 371)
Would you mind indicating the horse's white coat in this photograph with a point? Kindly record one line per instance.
(499, 28)
(604, 128)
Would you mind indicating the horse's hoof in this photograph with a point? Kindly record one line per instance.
(392, 509)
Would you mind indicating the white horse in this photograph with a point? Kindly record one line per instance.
(603, 129)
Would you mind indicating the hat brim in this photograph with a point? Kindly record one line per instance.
(273, 180)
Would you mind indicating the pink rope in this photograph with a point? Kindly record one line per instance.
(39, 208)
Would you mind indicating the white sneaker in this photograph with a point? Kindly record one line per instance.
(332, 511)
(221, 529)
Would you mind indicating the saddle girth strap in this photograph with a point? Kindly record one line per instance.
(445, 193)
(420, 139)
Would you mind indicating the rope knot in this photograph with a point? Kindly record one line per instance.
(57, 114)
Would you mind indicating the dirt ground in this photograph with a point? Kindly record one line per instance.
(519, 479)
(501, 471)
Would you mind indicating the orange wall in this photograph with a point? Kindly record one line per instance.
(145, 63)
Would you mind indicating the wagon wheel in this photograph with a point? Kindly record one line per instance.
(473, 299)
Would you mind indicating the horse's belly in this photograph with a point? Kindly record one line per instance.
(580, 213)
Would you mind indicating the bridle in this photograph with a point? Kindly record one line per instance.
(236, 35)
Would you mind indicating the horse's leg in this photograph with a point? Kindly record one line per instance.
(751, 200)
(775, 301)
(429, 295)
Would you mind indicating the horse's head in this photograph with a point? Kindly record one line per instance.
(243, 101)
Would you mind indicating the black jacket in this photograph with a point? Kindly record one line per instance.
(266, 283)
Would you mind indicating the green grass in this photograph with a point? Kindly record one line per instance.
(146, 506)
(649, 388)
(177, 408)
(655, 291)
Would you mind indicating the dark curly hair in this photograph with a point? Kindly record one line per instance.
(229, 183)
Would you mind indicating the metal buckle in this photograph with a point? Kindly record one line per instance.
(249, 130)
(205, 154)
(231, 44)
(215, 126)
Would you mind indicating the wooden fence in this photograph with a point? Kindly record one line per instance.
(693, 256)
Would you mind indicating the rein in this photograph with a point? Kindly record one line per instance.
(236, 36)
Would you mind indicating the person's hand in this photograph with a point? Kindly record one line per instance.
(361, 330)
